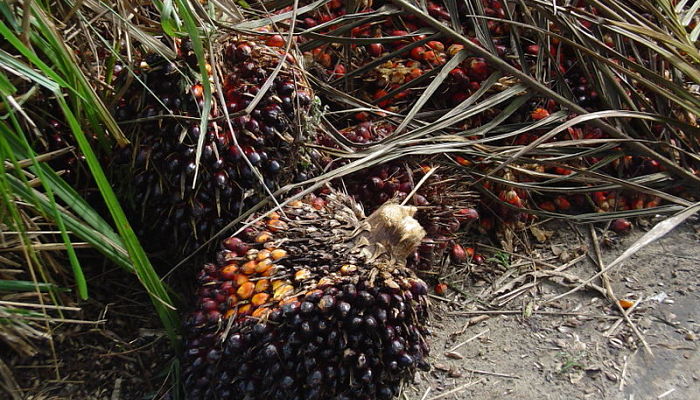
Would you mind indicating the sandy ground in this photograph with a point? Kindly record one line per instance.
(578, 347)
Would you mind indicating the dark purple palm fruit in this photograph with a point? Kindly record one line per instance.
(315, 302)
(242, 157)
(57, 138)
(365, 132)
(55, 142)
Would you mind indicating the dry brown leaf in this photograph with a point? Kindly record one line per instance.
(541, 234)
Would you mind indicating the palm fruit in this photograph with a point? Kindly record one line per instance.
(314, 302)
(56, 137)
(242, 156)
(53, 140)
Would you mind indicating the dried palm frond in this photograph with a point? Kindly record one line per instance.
(584, 98)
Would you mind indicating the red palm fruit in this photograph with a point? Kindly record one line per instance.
(318, 203)
(533, 49)
(574, 133)
(378, 95)
(478, 69)
(401, 42)
(511, 197)
(339, 71)
(470, 252)
(638, 203)
(438, 11)
(401, 95)
(620, 225)
(325, 60)
(625, 304)
(375, 49)
(197, 91)
(275, 41)
(417, 53)
(339, 300)
(436, 45)
(458, 253)
(459, 76)
(429, 56)
(599, 198)
(539, 113)
(654, 202)
(463, 161)
(548, 206)
(362, 116)
(310, 22)
(413, 74)
(467, 214)
(562, 203)
(440, 289)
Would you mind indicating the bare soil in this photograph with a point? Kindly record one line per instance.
(577, 347)
(495, 339)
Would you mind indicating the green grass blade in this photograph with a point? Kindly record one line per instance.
(64, 191)
(78, 274)
(25, 286)
(30, 55)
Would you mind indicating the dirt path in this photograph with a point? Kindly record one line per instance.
(578, 347)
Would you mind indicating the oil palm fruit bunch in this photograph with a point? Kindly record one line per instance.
(445, 203)
(445, 200)
(312, 302)
(243, 155)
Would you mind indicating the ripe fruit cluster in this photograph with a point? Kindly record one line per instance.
(445, 203)
(302, 306)
(242, 156)
(387, 82)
